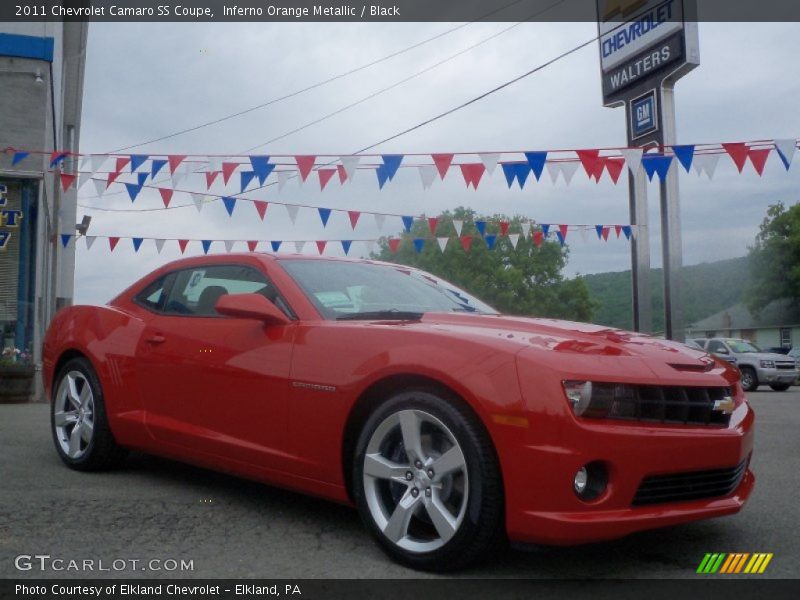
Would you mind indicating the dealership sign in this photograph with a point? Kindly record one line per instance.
(8, 218)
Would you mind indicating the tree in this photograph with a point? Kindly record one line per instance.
(522, 281)
(775, 258)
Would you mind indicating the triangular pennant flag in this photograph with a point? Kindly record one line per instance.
(350, 164)
(121, 163)
(545, 229)
(261, 167)
(283, 177)
(553, 169)
(346, 246)
(214, 163)
(561, 239)
(90, 241)
(66, 181)
(433, 222)
(276, 245)
(379, 221)
(442, 241)
(584, 233)
(473, 173)
(137, 243)
(176, 177)
(522, 170)
(514, 239)
(299, 246)
(65, 238)
(786, 150)
(159, 245)
(599, 167)
(137, 160)
(759, 156)
(83, 178)
(353, 215)
(466, 242)
(252, 245)
(166, 195)
(182, 245)
(481, 227)
(407, 222)
(261, 208)
(599, 230)
(229, 245)
(633, 158)
(245, 177)
(392, 162)
(230, 204)
(112, 177)
(568, 169)
(503, 227)
(489, 160)
(324, 177)
(510, 172)
(394, 244)
(706, 163)
(588, 159)
(656, 163)
(99, 186)
(305, 164)
(442, 162)
(538, 238)
(210, 177)
(133, 190)
(618, 230)
(206, 246)
(57, 158)
(156, 166)
(614, 167)
(112, 243)
(738, 153)
(199, 200)
(324, 215)
(605, 233)
(536, 160)
(490, 240)
(174, 161)
(427, 173)
(342, 173)
(382, 175)
(458, 224)
(684, 154)
(19, 156)
(292, 211)
(419, 243)
(626, 229)
(227, 170)
(526, 228)
(141, 178)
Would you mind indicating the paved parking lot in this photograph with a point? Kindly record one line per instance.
(156, 509)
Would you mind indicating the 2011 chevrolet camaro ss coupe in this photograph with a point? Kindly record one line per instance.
(450, 427)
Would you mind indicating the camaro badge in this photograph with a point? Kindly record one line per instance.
(726, 405)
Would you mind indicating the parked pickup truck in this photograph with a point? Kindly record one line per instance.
(778, 371)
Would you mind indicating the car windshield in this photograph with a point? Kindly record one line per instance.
(742, 347)
(353, 290)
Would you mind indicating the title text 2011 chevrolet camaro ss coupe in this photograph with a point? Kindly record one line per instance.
(450, 427)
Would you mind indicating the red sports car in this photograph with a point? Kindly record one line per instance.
(449, 426)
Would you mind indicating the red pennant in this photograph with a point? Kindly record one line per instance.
(757, 157)
(122, 163)
(614, 167)
(112, 177)
(175, 160)
(227, 170)
(432, 223)
(466, 242)
(112, 242)
(261, 207)
(210, 177)
(166, 195)
(66, 181)
(56, 155)
(618, 229)
(605, 233)
(442, 162)
(353, 214)
(342, 173)
(251, 245)
(472, 173)
(563, 229)
(538, 238)
(321, 245)
(182, 245)
(305, 164)
(504, 228)
(324, 177)
(599, 167)
(588, 159)
(738, 152)
(394, 244)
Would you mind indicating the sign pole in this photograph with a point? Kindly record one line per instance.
(640, 253)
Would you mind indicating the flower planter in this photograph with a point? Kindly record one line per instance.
(16, 383)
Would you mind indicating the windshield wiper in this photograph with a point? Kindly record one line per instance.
(393, 314)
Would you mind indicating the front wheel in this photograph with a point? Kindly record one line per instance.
(749, 379)
(780, 387)
(427, 483)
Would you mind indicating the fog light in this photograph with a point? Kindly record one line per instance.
(590, 481)
(581, 479)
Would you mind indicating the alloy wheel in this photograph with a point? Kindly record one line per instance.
(73, 416)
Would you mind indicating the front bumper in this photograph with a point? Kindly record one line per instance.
(779, 376)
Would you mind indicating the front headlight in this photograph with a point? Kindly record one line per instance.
(591, 400)
(767, 364)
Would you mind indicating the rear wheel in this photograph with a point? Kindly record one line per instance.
(749, 379)
(427, 483)
(780, 387)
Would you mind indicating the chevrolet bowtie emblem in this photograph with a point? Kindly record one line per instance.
(622, 8)
(725, 406)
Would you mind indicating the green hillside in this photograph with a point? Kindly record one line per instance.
(707, 289)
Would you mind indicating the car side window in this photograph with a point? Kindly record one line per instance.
(715, 346)
(154, 295)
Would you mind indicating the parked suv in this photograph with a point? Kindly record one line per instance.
(778, 371)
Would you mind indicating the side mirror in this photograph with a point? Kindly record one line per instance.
(250, 306)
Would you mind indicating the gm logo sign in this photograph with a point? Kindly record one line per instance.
(643, 115)
(619, 8)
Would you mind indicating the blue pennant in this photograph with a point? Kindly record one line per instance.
(18, 156)
(137, 160)
(65, 237)
(324, 214)
(276, 244)
(58, 159)
(656, 163)
(206, 246)
(133, 190)
(246, 177)
(509, 170)
(626, 229)
(137, 242)
(261, 167)
(142, 177)
(230, 204)
(419, 243)
(408, 222)
(685, 155)
(536, 161)
(560, 237)
(346, 246)
(383, 175)
(599, 230)
(490, 240)
(522, 171)
(391, 163)
(156, 166)
(545, 229)
(481, 227)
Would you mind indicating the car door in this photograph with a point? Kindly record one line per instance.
(718, 348)
(213, 384)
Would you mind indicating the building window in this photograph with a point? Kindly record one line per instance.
(786, 337)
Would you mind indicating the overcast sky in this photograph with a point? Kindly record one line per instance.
(148, 80)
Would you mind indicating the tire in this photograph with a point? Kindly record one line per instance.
(780, 387)
(77, 405)
(749, 379)
(453, 518)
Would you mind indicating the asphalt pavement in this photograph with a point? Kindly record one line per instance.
(154, 509)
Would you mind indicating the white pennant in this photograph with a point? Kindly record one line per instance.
(89, 241)
(95, 162)
(584, 234)
(283, 177)
(379, 221)
(229, 245)
(568, 169)
(177, 177)
(526, 228)
(787, 148)
(370, 246)
(199, 200)
(553, 168)
(100, 186)
(83, 178)
(214, 164)
(489, 160)
(514, 239)
(458, 224)
(427, 173)
(633, 158)
(442, 242)
(292, 210)
(298, 247)
(350, 163)
(708, 163)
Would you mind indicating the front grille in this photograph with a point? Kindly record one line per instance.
(682, 487)
(784, 365)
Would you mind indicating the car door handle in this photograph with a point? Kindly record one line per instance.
(156, 339)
